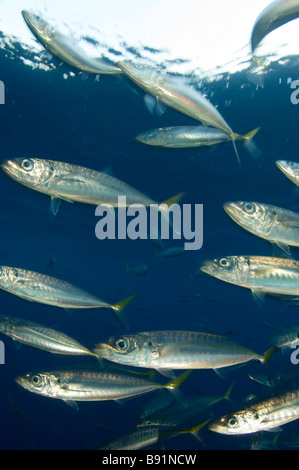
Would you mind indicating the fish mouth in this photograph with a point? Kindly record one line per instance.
(10, 167)
(216, 427)
(232, 209)
(206, 267)
(27, 16)
(34, 22)
(284, 167)
(22, 382)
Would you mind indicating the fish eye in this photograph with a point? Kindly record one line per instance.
(36, 380)
(27, 164)
(249, 208)
(122, 344)
(224, 262)
(232, 422)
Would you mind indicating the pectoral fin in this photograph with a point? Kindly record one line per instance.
(285, 248)
(258, 296)
(55, 203)
(72, 403)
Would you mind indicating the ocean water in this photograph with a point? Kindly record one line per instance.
(92, 122)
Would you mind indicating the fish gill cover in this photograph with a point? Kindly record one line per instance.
(54, 110)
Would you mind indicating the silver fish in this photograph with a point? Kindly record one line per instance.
(90, 385)
(176, 93)
(188, 136)
(177, 413)
(290, 170)
(147, 436)
(261, 274)
(277, 225)
(276, 14)
(41, 337)
(285, 337)
(140, 269)
(62, 47)
(175, 350)
(173, 251)
(138, 439)
(37, 287)
(74, 183)
(260, 416)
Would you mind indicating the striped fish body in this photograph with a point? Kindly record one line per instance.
(260, 416)
(37, 287)
(40, 337)
(75, 386)
(175, 350)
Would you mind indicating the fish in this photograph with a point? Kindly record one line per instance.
(276, 14)
(64, 48)
(148, 436)
(262, 274)
(135, 440)
(290, 170)
(175, 92)
(90, 385)
(175, 349)
(173, 251)
(140, 269)
(285, 337)
(177, 413)
(41, 337)
(36, 287)
(263, 415)
(73, 183)
(189, 136)
(156, 403)
(277, 225)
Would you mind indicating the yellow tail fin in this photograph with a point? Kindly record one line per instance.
(120, 306)
(249, 135)
(123, 303)
(173, 200)
(194, 431)
(173, 384)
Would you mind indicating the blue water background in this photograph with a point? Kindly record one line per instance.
(93, 123)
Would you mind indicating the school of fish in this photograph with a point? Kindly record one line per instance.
(134, 358)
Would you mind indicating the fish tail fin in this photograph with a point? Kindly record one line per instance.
(257, 61)
(268, 354)
(249, 143)
(165, 207)
(173, 200)
(128, 267)
(226, 396)
(247, 137)
(193, 430)
(265, 360)
(235, 148)
(120, 306)
(178, 381)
